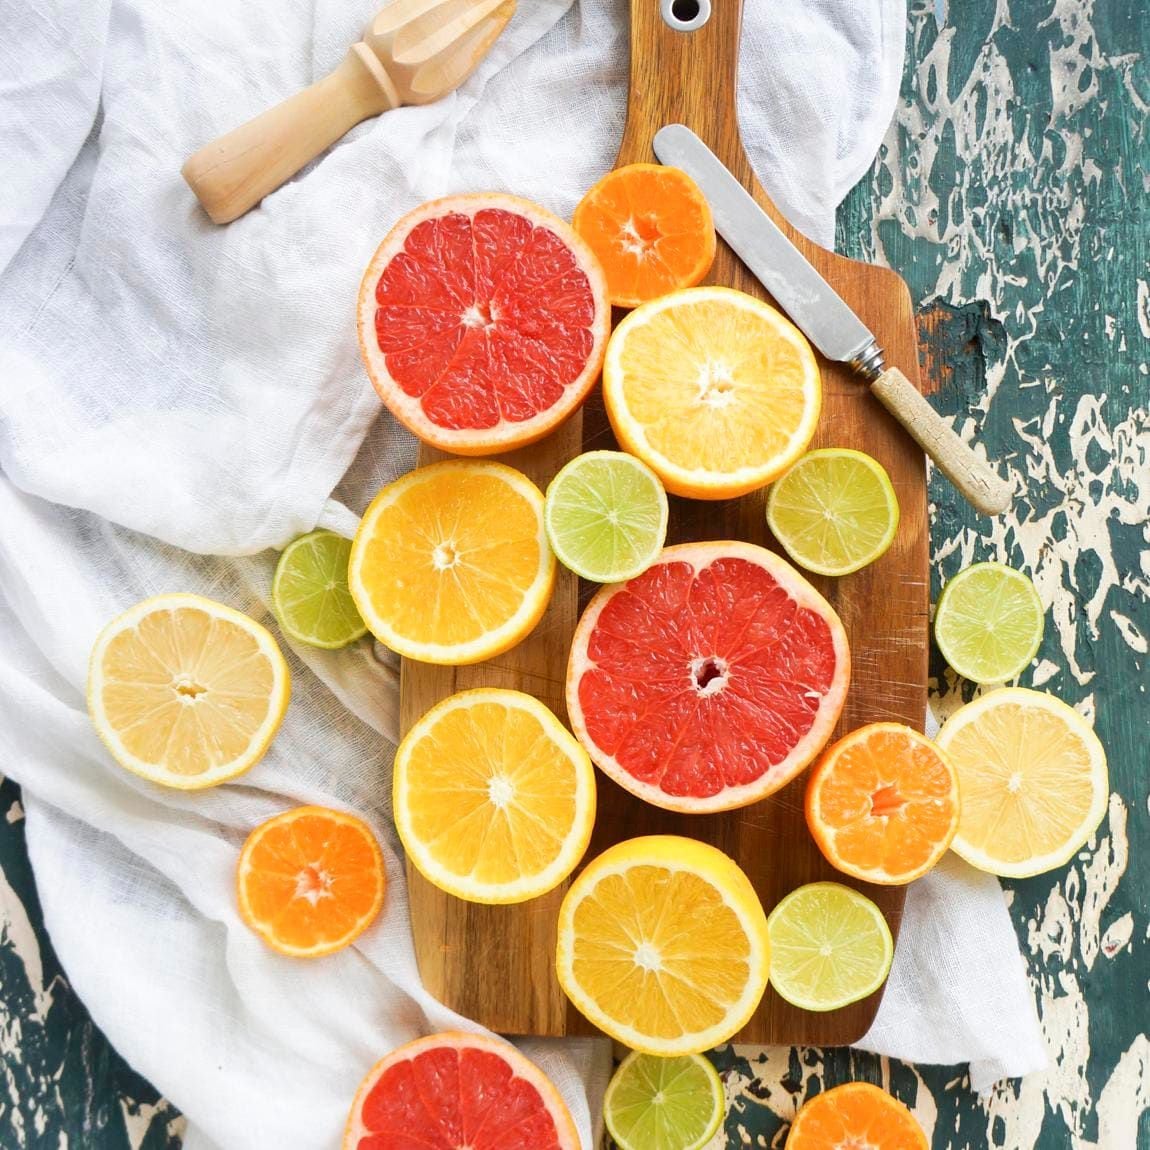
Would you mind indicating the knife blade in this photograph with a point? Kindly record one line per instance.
(823, 316)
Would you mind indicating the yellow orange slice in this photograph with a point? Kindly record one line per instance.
(714, 390)
(310, 881)
(494, 798)
(185, 691)
(663, 945)
(451, 562)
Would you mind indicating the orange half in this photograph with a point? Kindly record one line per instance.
(855, 1114)
(882, 804)
(652, 230)
(310, 881)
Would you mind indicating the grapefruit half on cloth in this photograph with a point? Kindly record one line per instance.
(453, 1090)
(483, 321)
(710, 680)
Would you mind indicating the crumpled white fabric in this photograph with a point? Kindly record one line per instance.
(172, 392)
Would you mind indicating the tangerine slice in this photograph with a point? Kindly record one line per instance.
(310, 881)
(452, 1090)
(710, 680)
(482, 322)
(855, 1114)
(652, 230)
(883, 804)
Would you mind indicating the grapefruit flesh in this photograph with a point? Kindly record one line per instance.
(483, 321)
(709, 681)
(458, 1090)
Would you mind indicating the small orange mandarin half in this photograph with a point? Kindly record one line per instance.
(853, 1115)
(882, 804)
(651, 228)
(310, 881)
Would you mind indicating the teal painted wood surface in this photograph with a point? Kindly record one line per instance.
(1012, 194)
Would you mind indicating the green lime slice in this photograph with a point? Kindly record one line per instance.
(606, 516)
(830, 946)
(657, 1103)
(310, 595)
(834, 511)
(989, 623)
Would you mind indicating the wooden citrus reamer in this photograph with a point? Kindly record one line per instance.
(496, 964)
(413, 52)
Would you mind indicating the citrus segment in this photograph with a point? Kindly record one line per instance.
(834, 511)
(451, 1090)
(651, 228)
(606, 515)
(663, 945)
(310, 881)
(830, 946)
(855, 1114)
(655, 1103)
(482, 322)
(989, 623)
(1033, 778)
(883, 803)
(710, 680)
(712, 388)
(494, 798)
(185, 691)
(310, 595)
(451, 564)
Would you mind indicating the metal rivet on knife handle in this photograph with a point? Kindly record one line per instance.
(983, 487)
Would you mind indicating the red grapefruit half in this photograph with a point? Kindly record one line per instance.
(458, 1090)
(483, 321)
(710, 680)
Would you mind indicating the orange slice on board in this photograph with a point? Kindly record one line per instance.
(185, 691)
(310, 881)
(451, 562)
(716, 391)
(652, 230)
(855, 1114)
(883, 803)
(482, 321)
(453, 1090)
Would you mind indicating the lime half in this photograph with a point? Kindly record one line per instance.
(606, 516)
(830, 946)
(310, 595)
(834, 511)
(655, 1103)
(989, 623)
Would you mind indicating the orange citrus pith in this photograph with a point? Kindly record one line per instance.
(709, 681)
(883, 803)
(310, 881)
(854, 1115)
(482, 321)
(451, 563)
(451, 1090)
(494, 798)
(716, 391)
(652, 230)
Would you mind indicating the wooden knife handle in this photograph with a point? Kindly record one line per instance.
(232, 174)
(977, 481)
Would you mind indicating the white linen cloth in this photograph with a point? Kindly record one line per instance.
(172, 392)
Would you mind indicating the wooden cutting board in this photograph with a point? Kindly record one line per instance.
(495, 964)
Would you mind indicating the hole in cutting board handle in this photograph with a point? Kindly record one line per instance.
(685, 15)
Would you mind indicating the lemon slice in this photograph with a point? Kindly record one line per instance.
(989, 623)
(1033, 780)
(713, 389)
(663, 945)
(655, 1103)
(834, 512)
(830, 946)
(494, 798)
(185, 691)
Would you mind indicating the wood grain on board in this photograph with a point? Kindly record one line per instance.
(495, 964)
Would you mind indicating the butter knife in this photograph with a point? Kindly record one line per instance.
(827, 321)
